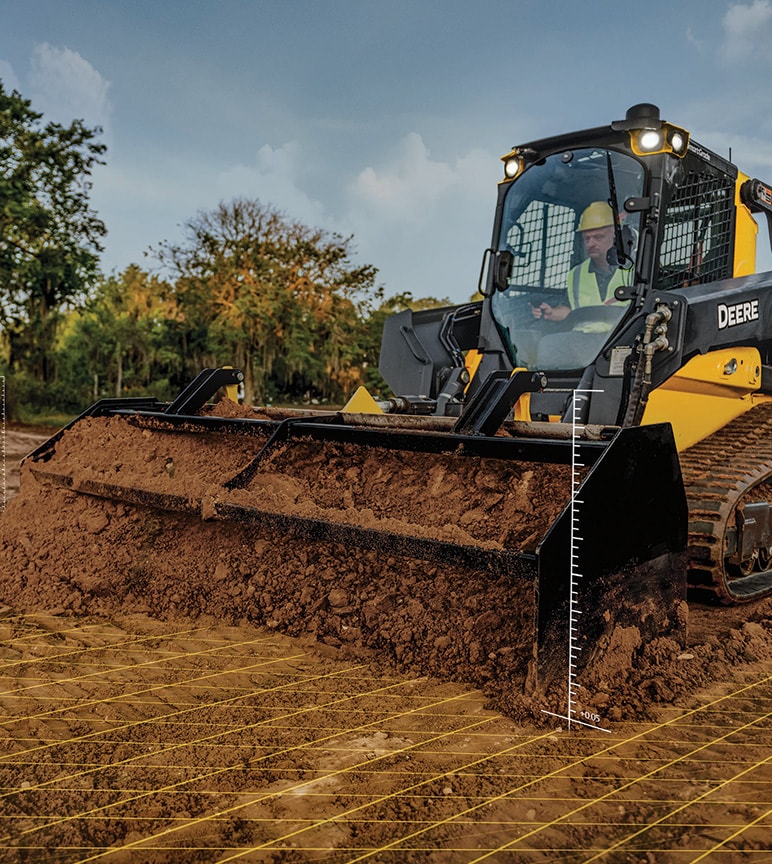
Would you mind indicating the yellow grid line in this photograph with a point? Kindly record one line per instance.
(510, 792)
(129, 646)
(363, 771)
(731, 837)
(299, 785)
(443, 754)
(229, 768)
(117, 627)
(178, 849)
(280, 710)
(147, 720)
(170, 748)
(189, 707)
(99, 678)
(608, 795)
(85, 650)
(111, 700)
(695, 760)
(107, 668)
(41, 631)
(309, 781)
(679, 809)
(130, 668)
(341, 817)
(499, 823)
(189, 683)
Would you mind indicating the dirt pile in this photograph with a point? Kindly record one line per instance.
(66, 552)
(19, 441)
(102, 557)
(488, 503)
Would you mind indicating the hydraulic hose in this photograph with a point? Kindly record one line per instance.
(654, 339)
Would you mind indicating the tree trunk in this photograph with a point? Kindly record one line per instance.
(249, 378)
(119, 371)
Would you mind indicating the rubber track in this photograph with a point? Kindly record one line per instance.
(717, 472)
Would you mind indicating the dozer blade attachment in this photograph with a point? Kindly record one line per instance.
(625, 583)
(455, 555)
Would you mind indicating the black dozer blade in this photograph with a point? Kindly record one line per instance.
(558, 576)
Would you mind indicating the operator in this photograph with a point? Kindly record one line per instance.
(593, 282)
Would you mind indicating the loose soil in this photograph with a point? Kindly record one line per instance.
(161, 527)
(19, 442)
(83, 558)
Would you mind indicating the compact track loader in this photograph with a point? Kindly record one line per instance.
(549, 474)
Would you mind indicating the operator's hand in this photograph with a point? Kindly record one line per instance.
(550, 313)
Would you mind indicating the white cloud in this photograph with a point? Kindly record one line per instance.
(748, 32)
(752, 155)
(694, 40)
(414, 186)
(66, 87)
(425, 222)
(8, 77)
(421, 221)
(275, 179)
(170, 190)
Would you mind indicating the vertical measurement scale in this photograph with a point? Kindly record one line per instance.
(589, 718)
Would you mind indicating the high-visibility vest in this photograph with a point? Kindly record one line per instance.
(583, 287)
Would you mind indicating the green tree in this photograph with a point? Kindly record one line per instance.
(123, 341)
(49, 236)
(278, 299)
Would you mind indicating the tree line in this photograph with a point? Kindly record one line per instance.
(246, 286)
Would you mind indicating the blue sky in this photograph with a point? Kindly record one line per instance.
(384, 120)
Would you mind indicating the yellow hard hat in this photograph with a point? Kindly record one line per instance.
(598, 215)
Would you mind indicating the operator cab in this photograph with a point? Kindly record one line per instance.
(541, 308)
(553, 303)
(675, 216)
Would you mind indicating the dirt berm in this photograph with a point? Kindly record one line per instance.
(70, 552)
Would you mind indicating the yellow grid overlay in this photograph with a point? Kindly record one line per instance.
(134, 741)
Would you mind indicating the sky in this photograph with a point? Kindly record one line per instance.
(382, 120)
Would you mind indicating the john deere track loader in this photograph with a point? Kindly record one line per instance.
(553, 468)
